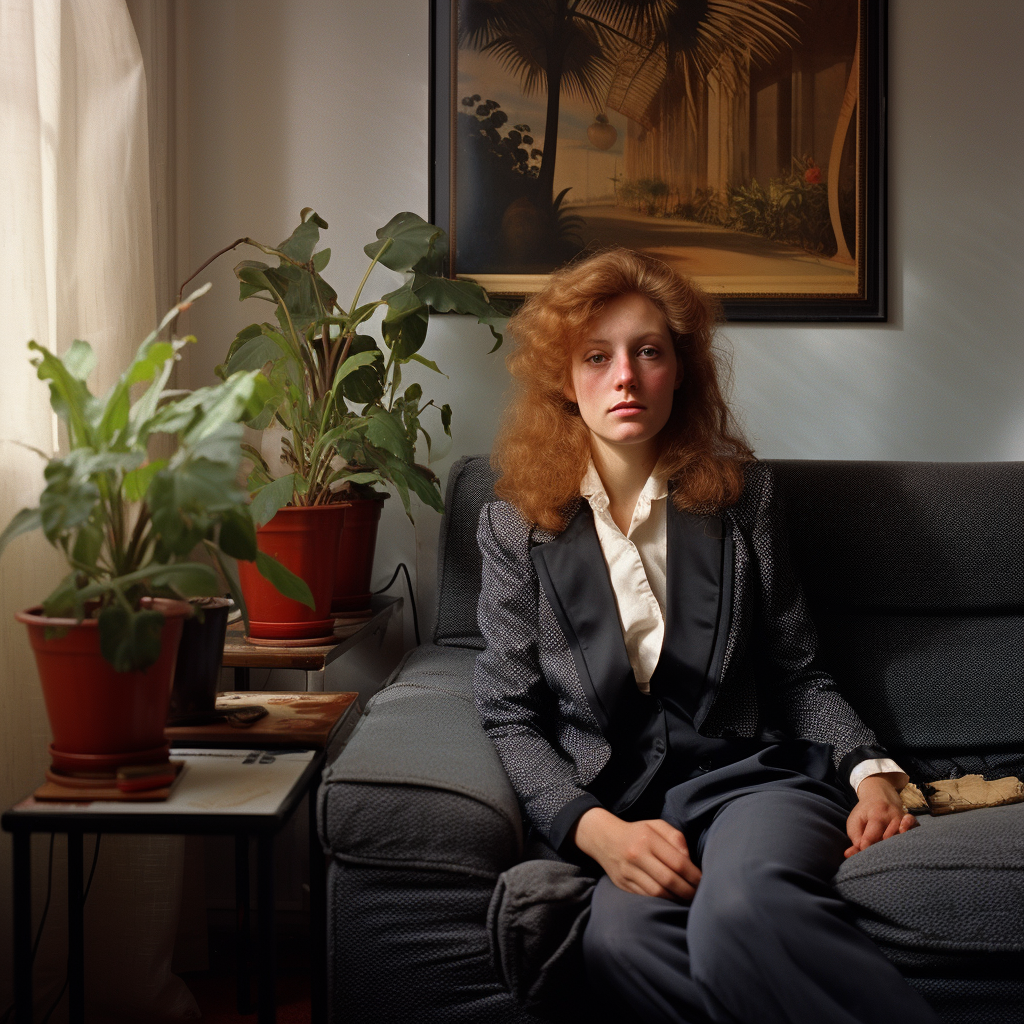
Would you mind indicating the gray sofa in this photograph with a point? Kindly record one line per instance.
(915, 577)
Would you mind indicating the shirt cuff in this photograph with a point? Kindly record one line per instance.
(878, 766)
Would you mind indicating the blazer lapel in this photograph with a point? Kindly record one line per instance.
(574, 576)
(697, 613)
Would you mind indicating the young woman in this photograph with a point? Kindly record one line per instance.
(650, 679)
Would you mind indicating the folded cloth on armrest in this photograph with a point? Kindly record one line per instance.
(972, 791)
(535, 925)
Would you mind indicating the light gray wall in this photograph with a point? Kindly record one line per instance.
(325, 104)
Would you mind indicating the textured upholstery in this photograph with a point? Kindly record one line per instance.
(410, 947)
(954, 884)
(907, 535)
(421, 733)
(915, 576)
(470, 486)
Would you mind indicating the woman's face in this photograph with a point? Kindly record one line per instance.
(625, 373)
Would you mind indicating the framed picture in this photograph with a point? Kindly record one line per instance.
(742, 143)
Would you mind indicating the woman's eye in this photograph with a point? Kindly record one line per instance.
(597, 357)
(648, 350)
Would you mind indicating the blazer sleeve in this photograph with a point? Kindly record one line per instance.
(517, 707)
(805, 698)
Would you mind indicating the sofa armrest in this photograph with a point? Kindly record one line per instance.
(419, 784)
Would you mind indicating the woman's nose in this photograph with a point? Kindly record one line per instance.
(625, 375)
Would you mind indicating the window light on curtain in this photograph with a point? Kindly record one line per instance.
(76, 261)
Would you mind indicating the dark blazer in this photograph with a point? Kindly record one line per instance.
(555, 678)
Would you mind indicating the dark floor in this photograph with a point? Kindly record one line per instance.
(214, 989)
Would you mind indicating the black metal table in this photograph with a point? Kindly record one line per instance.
(277, 779)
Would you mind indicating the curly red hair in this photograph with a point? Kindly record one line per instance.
(543, 445)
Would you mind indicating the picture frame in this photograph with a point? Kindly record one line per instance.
(764, 178)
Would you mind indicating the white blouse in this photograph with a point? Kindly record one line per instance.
(636, 564)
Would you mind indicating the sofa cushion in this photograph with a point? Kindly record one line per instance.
(420, 737)
(906, 536)
(953, 885)
(470, 487)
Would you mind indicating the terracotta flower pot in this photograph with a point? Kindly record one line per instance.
(355, 555)
(194, 693)
(305, 540)
(100, 718)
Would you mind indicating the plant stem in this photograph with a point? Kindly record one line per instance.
(383, 249)
(234, 245)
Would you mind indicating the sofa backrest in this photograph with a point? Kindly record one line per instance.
(914, 572)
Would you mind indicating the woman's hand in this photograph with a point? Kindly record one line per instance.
(650, 858)
(879, 814)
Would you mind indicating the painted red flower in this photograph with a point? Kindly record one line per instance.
(812, 175)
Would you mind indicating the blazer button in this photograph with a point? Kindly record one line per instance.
(657, 706)
(705, 767)
(659, 746)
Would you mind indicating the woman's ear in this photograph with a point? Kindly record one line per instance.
(570, 392)
(679, 374)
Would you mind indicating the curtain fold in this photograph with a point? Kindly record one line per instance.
(76, 261)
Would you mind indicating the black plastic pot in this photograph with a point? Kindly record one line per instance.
(194, 693)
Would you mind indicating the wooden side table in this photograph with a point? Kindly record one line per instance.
(241, 655)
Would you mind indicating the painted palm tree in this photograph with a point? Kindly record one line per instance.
(617, 53)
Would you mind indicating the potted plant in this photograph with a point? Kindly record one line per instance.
(106, 639)
(349, 426)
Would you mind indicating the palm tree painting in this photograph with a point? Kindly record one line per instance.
(728, 137)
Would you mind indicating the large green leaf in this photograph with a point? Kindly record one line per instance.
(80, 360)
(237, 536)
(410, 239)
(23, 522)
(69, 397)
(418, 480)
(366, 384)
(269, 499)
(253, 277)
(446, 296)
(153, 360)
(67, 501)
(354, 361)
(257, 352)
(385, 431)
(130, 640)
(406, 336)
(190, 579)
(88, 544)
(284, 579)
(136, 482)
(428, 362)
(302, 241)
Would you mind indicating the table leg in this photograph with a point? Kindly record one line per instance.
(243, 984)
(317, 915)
(22, 927)
(316, 680)
(242, 678)
(76, 939)
(266, 1012)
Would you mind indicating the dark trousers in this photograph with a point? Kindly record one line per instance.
(766, 939)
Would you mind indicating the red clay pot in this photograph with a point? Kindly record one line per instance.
(355, 555)
(101, 718)
(305, 540)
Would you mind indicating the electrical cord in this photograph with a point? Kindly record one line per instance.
(85, 896)
(412, 600)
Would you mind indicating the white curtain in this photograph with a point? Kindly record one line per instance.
(76, 261)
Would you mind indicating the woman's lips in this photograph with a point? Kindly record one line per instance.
(628, 408)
